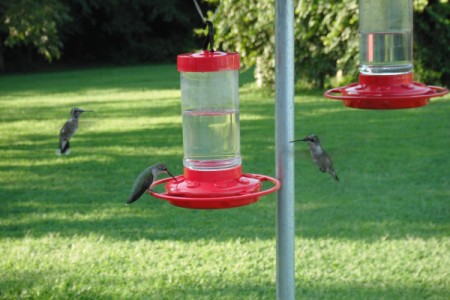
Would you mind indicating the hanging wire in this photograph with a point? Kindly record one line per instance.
(209, 40)
(201, 14)
(199, 11)
(217, 9)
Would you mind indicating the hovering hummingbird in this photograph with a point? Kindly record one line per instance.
(68, 130)
(319, 156)
(145, 179)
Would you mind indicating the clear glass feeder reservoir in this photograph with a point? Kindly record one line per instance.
(210, 106)
(385, 60)
(386, 37)
(213, 175)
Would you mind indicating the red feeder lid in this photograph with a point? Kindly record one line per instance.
(207, 61)
(214, 189)
(385, 92)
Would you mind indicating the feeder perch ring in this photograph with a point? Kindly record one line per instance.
(386, 92)
(216, 202)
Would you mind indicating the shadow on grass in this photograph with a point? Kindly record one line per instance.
(146, 77)
(132, 78)
(93, 202)
(85, 192)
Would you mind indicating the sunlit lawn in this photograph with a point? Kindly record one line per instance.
(383, 232)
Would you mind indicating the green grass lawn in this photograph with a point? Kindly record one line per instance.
(383, 232)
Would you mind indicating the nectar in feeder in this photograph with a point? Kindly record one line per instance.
(212, 160)
(386, 60)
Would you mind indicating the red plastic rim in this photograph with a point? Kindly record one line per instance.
(385, 92)
(207, 61)
(216, 202)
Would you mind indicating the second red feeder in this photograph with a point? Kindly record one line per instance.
(385, 60)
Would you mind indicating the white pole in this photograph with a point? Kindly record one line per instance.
(284, 132)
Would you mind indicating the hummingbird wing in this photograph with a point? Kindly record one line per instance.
(68, 130)
(141, 184)
(323, 161)
(137, 193)
(64, 137)
(328, 166)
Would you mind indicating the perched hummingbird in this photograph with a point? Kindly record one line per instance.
(319, 156)
(68, 130)
(145, 179)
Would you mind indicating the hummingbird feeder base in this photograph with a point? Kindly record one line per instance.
(385, 92)
(214, 189)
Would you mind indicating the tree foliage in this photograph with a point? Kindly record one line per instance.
(134, 31)
(323, 33)
(325, 39)
(247, 27)
(432, 43)
(117, 31)
(127, 31)
(33, 22)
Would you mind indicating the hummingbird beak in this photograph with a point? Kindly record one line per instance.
(301, 140)
(87, 111)
(171, 175)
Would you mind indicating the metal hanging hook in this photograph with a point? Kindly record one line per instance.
(209, 40)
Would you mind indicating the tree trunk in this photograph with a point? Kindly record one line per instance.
(30, 55)
(258, 72)
(2, 59)
(322, 80)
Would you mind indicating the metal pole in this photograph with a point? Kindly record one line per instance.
(284, 132)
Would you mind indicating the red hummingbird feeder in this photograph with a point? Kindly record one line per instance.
(213, 175)
(385, 54)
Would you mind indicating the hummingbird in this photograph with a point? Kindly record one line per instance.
(68, 130)
(319, 156)
(145, 179)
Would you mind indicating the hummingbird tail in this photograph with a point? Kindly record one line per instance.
(66, 149)
(134, 197)
(334, 175)
(131, 200)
